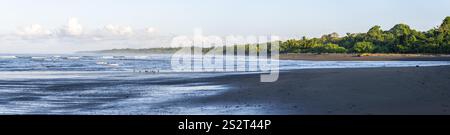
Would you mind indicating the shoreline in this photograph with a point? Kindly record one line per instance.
(361, 91)
(369, 57)
(326, 91)
(301, 56)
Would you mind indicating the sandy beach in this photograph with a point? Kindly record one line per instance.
(363, 91)
(82, 86)
(370, 57)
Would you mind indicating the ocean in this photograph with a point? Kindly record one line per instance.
(76, 84)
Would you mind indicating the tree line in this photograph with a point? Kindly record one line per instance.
(399, 39)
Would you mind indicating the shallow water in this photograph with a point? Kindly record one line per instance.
(52, 84)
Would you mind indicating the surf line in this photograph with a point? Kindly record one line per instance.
(190, 125)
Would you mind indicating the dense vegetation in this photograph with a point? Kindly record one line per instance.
(399, 39)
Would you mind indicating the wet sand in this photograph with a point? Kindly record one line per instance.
(371, 57)
(405, 91)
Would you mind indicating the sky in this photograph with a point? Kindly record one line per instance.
(55, 26)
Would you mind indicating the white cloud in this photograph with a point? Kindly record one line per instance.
(119, 30)
(150, 30)
(73, 28)
(74, 37)
(34, 30)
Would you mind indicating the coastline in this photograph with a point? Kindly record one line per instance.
(370, 57)
(377, 90)
(326, 56)
(361, 91)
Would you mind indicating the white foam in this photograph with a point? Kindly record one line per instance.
(108, 57)
(140, 57)
(113, 65)
(73, 58)
(294, 64)
(8, 57)
(38, 58)
(101, 63)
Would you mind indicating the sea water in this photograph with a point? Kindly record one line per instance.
(75, 84)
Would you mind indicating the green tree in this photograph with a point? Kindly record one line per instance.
(328, 48)
(445, 26)
(375, 34)
(399, 39)
(334, 48)
(364, 47)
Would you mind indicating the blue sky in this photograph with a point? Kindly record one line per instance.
(286, 18)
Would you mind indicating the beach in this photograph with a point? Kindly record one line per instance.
(91, 85)
(358, 57)
(362, 91)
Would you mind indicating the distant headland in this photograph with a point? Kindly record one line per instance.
(401, 39)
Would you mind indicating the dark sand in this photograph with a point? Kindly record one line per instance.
(372, 57)
(412, 90)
